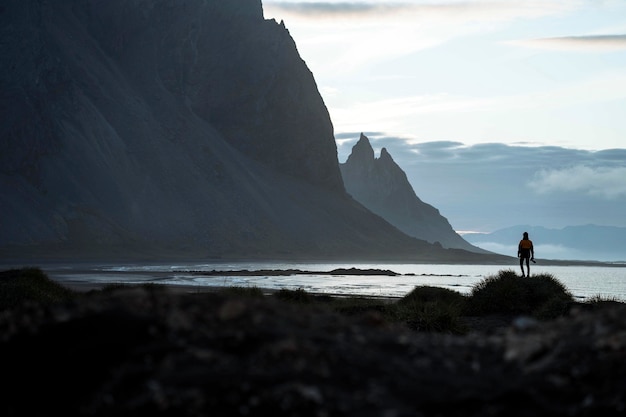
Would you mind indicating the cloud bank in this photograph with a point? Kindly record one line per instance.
(327, 10)
(592, 43)
(492, 10)
(593, 181)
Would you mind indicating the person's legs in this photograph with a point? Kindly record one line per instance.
(528, 266)
(521, 264)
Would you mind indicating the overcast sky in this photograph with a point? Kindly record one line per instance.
(500, 112)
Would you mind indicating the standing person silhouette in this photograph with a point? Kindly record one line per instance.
(525, 251)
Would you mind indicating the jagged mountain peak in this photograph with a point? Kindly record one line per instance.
(363, 166)
(382, 186)
(363, 159)
(362, 152)
(385, 156)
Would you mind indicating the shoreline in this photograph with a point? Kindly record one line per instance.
(184, 289)
(343, 281)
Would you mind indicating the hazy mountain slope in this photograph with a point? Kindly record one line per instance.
(170, 128)
(382, 186)
(587, 242)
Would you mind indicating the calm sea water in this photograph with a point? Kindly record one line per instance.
(582, 281)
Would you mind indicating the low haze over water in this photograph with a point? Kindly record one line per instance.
(582, 281)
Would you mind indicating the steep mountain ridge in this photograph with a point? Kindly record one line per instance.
(382, 186)
(170, 128)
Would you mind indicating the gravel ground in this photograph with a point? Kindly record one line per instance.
(143, 351)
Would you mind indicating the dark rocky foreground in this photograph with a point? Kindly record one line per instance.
(146, 351)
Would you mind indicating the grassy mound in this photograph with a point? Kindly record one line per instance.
(431, 309)
(541, 296)
(20, 286)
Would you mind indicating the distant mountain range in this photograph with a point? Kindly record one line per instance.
(195, 130)
(588, 242)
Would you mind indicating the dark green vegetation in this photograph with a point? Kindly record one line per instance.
(426, 308)
(19, 286)
(541, 296)
(432, 309)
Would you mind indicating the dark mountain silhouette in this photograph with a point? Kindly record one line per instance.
(382, 186)
(188, 129)
(585, 242)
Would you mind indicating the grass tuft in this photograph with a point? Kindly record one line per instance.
(299, 295)
(431, 309)
(253, 292)
(602, 301)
